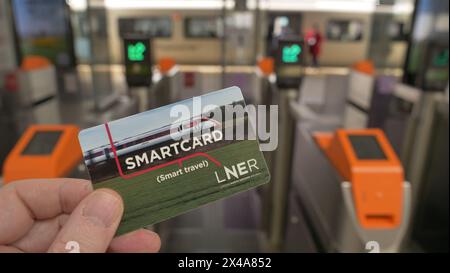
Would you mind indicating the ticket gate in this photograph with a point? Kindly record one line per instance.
(138, 60)
(426, 157)
(166, 86)
(430, 222)
(350, 187)
(45, 151)
(322, 101)
(350, 101)
(388, 105)
(357, 101)
(196, 231)
(292, 229)
(289, 60)
(396, 119)
(289, 75)
(266, 93)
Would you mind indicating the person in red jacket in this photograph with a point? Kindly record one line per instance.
(314, 40)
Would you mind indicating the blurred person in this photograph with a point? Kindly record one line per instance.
(51, 215)
(314, 41)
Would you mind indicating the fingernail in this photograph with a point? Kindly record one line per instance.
(102, 208)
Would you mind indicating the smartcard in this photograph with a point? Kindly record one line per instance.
(169, 160)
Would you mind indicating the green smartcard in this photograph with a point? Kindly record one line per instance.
(169, 160)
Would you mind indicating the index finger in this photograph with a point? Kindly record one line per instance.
(23, 202)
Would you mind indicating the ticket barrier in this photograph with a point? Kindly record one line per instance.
(23, 92)
(289, 74)
(245, 231)
(121, 107)
(289, 62)
(367, 100)
(15, 120)
(350, 187)
(166, 86)
(431, 222)
(322, 101)
(265, 81)
(69, 83)
(288, 229)
(137, 60)
(342, 100)
(37, 80)
(264, 93)
(34, 82)
(408, 122)
(426, 166)
(45, 151)
(359, 101)
(138, 63)
(281, 170)
(396, 118)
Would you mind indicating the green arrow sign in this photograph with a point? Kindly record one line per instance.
(290, 54)
(136, 52)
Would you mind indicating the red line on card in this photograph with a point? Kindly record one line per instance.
(179, 160)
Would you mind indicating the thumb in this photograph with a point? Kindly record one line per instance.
(92, 224)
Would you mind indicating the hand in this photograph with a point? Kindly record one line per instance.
(44, 215)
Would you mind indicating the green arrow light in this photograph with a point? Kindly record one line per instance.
(290, 53)
(136, 52)
(441, 59)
